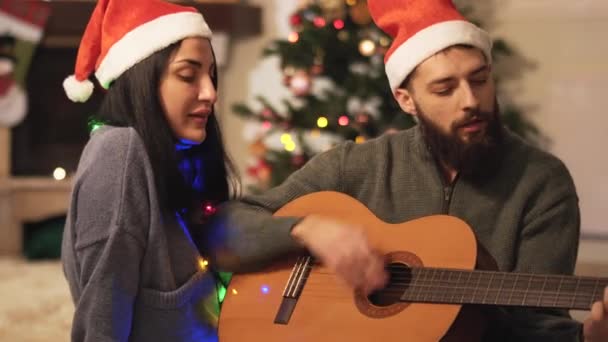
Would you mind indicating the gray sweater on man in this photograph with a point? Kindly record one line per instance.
(526, 215)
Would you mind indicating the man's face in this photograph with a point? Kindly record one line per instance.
(452, 94)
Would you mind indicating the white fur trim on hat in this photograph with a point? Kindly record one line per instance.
(147, 39)
(78, 91)
(431, 40)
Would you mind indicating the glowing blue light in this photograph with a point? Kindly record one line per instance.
(265, 289)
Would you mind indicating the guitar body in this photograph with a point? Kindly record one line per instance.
(327, 310)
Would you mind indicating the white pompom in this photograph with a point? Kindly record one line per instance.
(78, 91)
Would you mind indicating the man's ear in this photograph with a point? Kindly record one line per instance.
(406, 101)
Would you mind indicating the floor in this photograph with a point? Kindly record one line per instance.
(36, 304)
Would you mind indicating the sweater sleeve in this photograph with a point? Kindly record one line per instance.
(245, 235)
(110, 227)
(548, 245)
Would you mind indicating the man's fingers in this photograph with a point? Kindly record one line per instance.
(597, 311)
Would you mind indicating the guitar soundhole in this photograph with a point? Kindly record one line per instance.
(400, 275)
(385, 302)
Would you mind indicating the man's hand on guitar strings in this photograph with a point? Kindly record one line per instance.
(344, 249)
(595, 328)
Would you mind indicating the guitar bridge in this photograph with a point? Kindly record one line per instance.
(293, 289)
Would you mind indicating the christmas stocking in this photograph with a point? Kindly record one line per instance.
(21, 28)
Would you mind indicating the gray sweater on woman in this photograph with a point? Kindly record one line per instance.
(133, 271)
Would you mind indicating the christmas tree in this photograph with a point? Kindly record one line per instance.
(332, 62)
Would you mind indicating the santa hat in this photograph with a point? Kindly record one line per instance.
(122, 33)
(420, 29)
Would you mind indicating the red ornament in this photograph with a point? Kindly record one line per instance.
(295, 20)
(319, 22)
(267, 113)
(298, 160)
(316, 69)
(339, 24)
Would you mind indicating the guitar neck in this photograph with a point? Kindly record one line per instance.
(449, 286)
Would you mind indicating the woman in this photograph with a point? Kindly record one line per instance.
(145, 177)
(151, 176)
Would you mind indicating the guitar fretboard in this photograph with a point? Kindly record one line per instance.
(437, 285)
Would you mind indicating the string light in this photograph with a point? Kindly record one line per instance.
(290, 146)
(59, 173)
(351, 2)
(202, 263)
(360, 139)
(322, 122)
(343, 120)
(367, 47)
(286, 138)
(293, 37)
(221, 293)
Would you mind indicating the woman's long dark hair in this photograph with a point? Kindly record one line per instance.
(133, 101)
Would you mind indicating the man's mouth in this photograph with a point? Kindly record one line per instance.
(474, 125)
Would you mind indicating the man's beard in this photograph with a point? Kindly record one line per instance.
(476, 158)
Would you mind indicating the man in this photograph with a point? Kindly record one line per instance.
(520, 201)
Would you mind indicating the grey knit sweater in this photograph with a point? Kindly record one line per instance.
(526, 215)
(133, 272)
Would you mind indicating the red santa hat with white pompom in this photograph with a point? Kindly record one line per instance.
(420, 29)
(122, 33)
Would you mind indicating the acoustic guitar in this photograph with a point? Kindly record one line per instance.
(433, 282)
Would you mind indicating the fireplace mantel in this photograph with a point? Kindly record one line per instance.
(69, 18)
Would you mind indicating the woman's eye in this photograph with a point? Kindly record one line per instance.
(186, 78)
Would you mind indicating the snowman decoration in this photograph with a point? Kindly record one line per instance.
(13, 100)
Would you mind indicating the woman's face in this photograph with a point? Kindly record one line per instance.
(187, 93)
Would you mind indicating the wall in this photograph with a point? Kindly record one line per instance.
(566, 91)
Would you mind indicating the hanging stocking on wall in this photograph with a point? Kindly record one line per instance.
(21, 28)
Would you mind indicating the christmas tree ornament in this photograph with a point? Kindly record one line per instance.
(332, 9)
(298, 160)
(267, 113)
(288, 73)
(343, 35)
(359, 13)
(363, 118)
(319, 22)
(258, 149)
(300, 83)
(338, 24)
(295, 20)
